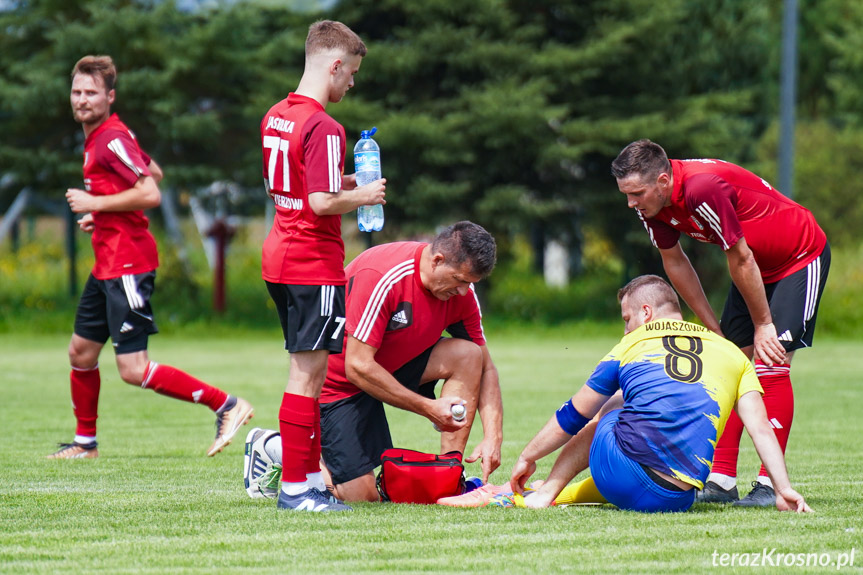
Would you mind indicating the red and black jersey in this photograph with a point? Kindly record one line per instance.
(718, 202)
(113, 163)
(389, 309)
(304, 153)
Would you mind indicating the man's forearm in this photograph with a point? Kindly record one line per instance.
(490, 406)
(685, 280)
(746, 275)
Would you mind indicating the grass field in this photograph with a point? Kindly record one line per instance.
(154, 503)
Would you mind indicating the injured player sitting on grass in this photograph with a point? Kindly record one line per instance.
(647, 420)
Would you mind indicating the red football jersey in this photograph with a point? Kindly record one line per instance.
(718, 202)
(389, 309)
(304, 152)
(113, 162)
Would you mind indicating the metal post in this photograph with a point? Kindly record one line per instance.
(788, 97)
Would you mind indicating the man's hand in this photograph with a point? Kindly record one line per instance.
(374, 192)
(80, 201)
(489, 451)
(521, 472)
(86, 223)
(768, 348)
(440, 414)
(789, 500)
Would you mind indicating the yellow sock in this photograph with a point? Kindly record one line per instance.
(584, 491)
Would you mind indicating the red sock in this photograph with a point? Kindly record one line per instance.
(313, 464)
(778, 401)
(170, 381)
(728, 447)
(85, 399)
(297, 426)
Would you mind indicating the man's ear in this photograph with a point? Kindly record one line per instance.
(437, 259)
(335, 65)
(646, 312)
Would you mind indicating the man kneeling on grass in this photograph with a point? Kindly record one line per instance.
(650, 447)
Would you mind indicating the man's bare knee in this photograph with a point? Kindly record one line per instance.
(362, 488)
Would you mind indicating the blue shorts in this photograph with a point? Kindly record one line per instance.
(623, 482)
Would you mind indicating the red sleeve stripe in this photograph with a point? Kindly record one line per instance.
(376, 301)
(712, 219)
(334, 157)
(116, 146)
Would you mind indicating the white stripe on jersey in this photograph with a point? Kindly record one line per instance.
(376, 301)
(334, 156)
(813, 280)
(132, 295)
(479, 309)
(116, 146)
(712, 219)
(648, 228)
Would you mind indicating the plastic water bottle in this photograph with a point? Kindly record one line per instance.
(367, 163)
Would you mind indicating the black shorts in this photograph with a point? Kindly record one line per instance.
(312, 317)
(793, 304)
(118, 308)
(355, 431)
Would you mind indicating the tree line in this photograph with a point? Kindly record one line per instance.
(505, 112)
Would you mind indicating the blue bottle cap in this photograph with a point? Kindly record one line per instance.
(368, 133)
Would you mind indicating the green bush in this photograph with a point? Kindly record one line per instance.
(34, 289)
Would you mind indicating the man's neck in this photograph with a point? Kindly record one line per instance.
(91, 127)
(311, 88)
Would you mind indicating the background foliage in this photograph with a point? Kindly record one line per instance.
(508, 113)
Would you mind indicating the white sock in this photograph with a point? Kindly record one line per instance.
(723, 481)
(764, 480)
(316, 480)
(273, 447)
(84, 439)
(295, 488)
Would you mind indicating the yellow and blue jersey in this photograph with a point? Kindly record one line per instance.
(680, 382)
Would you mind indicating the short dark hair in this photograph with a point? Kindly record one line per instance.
(98, 66)
(643, 158)
(331, 35)
(467, 242)
(650, 289)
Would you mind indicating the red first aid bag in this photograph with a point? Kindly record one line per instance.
(408, 476)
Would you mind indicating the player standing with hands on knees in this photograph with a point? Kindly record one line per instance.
(304, 254)
(778, 258)
(121, 182)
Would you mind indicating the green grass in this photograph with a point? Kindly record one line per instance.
(154, 503)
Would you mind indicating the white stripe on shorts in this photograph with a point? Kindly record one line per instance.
(813, 282)
(136, 301)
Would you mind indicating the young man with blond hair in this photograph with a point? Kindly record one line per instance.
(303, 255)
